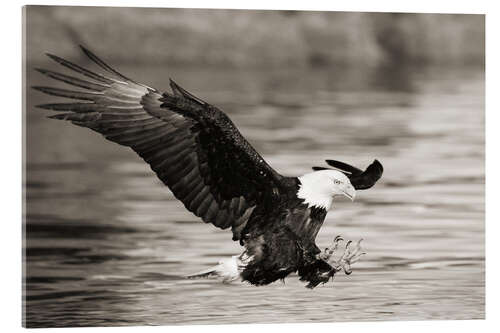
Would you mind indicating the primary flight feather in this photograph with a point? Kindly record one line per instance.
(197, 151)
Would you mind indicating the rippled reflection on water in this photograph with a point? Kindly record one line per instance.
(107, 244)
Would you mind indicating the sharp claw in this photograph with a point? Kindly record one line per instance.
(329, 251)
(347, 249)
(347, 268)
(351, 255)
(336, 242)
(346, 254)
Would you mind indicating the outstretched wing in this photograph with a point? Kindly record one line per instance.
(193, 147)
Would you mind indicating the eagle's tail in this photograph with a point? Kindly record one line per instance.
(228, 269)
(212, 271)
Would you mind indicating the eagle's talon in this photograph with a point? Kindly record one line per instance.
(351, 255)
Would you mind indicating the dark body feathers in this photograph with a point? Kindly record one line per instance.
(197, 151)
(285, 244)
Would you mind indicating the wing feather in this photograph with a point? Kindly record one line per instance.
(193, 147)
(80, 70)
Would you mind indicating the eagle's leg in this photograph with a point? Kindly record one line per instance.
(351, 255)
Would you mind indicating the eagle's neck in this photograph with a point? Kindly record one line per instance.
(312, 191)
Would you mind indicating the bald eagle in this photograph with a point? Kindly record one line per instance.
(197, 151)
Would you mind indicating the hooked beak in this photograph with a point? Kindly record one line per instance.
(350, 192)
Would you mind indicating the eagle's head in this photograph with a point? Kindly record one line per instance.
(320, 187)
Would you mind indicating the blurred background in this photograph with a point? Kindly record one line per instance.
(107, 244)
(242, 39)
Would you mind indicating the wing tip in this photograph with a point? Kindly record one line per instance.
(52, 56)
(173, 85)
(49, 73)
(61, 116)
(57, 59)
(360, 179)
(85, 49)
(376, 164)
(41, 70)
(44, 89)
(43, 106)
(178, 91)
(343, 167)
(91, 55)
(38, 88)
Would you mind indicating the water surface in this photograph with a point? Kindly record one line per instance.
(107, 244)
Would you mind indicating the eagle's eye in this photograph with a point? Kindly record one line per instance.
(337, 182)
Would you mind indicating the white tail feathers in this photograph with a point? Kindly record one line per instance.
(228, 269)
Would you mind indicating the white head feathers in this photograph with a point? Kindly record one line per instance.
(318, 188)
